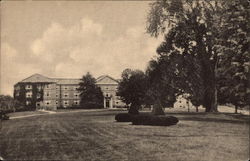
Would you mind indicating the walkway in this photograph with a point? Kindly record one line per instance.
(46, 112)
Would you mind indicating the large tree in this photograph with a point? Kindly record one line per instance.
(132, 89)
(161, 91)
(234, 69)
(193, 30)
(90, 94)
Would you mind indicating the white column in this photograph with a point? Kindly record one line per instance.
(111, 102)
(104, 102)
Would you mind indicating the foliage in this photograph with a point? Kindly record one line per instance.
(9, 104)
(3, 116)
(234, 73)
(154, 120)
(132, 89)
(91, 95)
(161, 90)
(193, 43)
(35, 92)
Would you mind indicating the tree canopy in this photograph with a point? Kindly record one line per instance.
(91, 95)
(196, 43)
(132, 88)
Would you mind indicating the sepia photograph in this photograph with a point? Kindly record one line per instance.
(125, 80)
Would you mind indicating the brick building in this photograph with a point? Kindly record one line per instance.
(38, 91)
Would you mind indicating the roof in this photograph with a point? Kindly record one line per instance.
(99, 79)
(37, 78)
(67, 81)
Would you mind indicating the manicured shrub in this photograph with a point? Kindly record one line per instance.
(3, 116)
(154, 120)
(123, 117)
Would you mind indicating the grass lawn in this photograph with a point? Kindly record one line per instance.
(96, 136)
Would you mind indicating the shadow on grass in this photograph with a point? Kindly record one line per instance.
(213, 117)
(174, 136)
(215, 120)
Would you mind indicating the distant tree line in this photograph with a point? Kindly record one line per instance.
(9, 104)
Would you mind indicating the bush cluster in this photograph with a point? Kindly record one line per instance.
(3, 116)
(154, 120)
(123, 117)
(146, 119)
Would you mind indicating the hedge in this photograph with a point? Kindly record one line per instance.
(3, 116)
(154, 120)
(123, 117)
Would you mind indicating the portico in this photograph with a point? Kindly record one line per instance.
(109, 87)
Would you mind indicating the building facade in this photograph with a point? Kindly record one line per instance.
(41, 92)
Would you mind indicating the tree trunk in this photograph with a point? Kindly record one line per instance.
(210, 100)
(157, 108)
(188, 106)
(210, 93)
(209, 72)
(133, 109)
(197, 108)
(236, 108)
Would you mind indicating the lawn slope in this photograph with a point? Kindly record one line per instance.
(96, 136)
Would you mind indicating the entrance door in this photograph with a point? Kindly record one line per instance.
(38, 105)
(107, 103)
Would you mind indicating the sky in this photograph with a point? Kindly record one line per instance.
(69, 38)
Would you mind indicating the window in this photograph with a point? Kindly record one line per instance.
(39, 87)
(17, 87)
(76, 87)
(76, 102)
(65, 88)
(47, 94)
(117, 102)
(17, 93)
(47, 103)
(56, 102)
(56, 95)
(107, 88)
(38, 95)
(65, 103)
(28, 95)
(28, 102)
(47, 85)
(76, 95)
(28, 86)
(66, 95)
